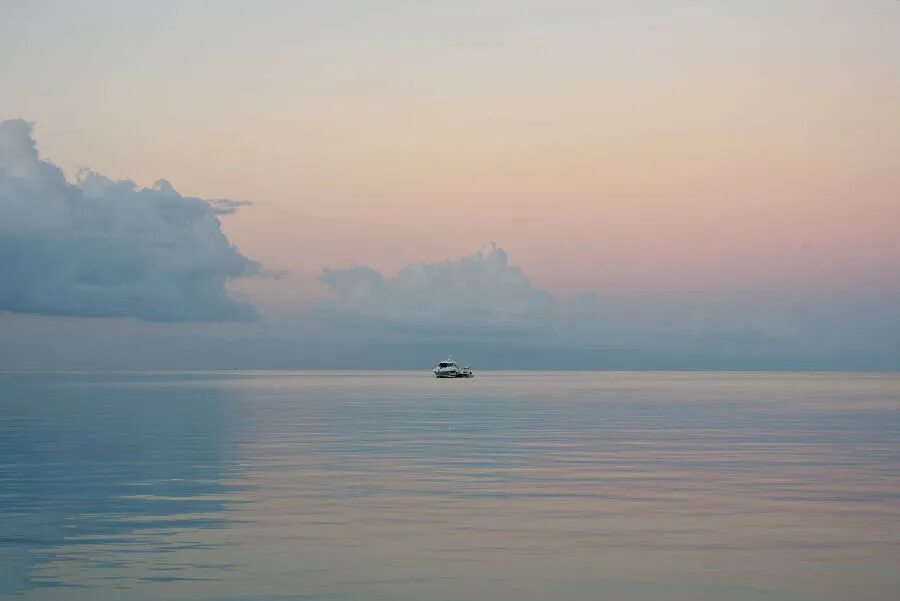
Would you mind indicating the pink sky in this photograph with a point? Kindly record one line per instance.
(623, 150)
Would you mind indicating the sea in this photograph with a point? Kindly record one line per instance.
(510, 486)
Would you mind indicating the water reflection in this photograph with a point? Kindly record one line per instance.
(99, 469)
(398, 486)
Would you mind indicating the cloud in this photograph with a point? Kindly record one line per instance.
(107, 248)
(478, 290)
(226, 206)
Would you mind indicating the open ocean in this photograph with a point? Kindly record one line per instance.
(511, 486)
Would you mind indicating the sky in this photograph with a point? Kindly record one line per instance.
(582, 185)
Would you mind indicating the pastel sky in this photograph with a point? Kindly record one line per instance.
(723, 173)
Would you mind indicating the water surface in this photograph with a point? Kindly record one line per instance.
(510, 486)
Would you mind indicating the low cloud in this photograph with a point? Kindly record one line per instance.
(479, 290)
(107, 248)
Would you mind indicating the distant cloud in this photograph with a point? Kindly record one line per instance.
(478, 290)
(105, 248)
(225, 206)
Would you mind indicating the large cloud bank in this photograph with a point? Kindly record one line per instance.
(481, 289)
(107, 248)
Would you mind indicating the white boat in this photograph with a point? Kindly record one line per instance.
(449, 369)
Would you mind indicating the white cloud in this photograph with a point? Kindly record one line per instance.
(481, 289)
(104, 248)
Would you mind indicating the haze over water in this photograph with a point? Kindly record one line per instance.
(511, 486)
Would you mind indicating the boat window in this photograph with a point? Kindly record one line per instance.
(443, 365)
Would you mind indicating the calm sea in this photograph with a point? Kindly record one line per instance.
(511, 486)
